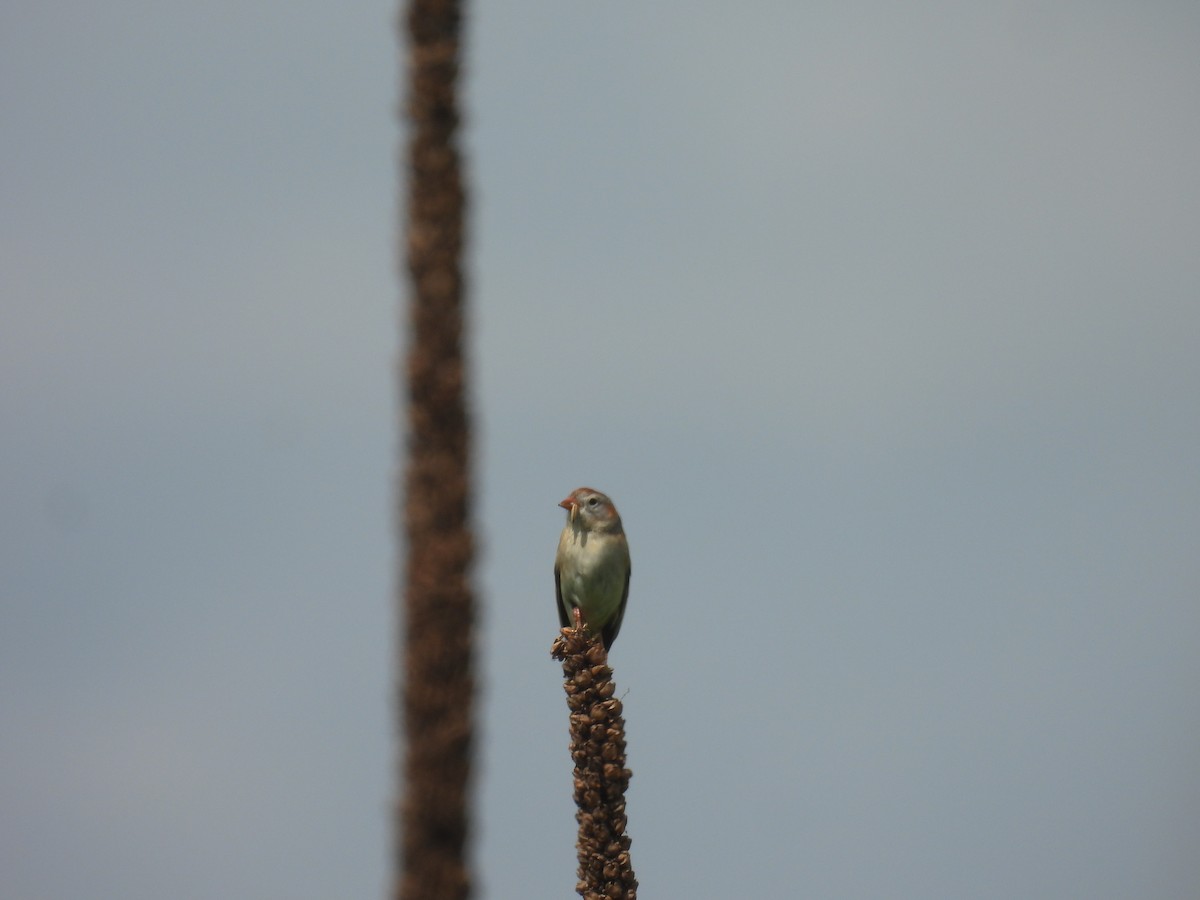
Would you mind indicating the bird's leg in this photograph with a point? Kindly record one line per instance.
(578, 615)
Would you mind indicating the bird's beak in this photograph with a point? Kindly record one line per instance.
(570, 506)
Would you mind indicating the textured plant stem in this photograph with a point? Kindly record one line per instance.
(598, 751)
(438, 611)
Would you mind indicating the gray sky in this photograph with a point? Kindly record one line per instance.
(879, 324)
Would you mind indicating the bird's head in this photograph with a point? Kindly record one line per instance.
(591, 510)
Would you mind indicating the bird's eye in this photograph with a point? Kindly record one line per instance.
(592, 501)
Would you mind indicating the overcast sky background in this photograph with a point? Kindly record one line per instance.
(880, 323)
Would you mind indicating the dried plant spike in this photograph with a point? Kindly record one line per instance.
(601, 778)
(432, 822)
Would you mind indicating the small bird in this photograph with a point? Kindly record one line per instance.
(591, 569)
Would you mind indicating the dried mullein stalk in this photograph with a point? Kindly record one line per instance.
(598, 750)
(437, 602)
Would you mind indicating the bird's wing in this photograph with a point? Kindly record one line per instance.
(609, 631)
(562, 610)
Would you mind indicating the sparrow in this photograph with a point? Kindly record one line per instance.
(591, 569)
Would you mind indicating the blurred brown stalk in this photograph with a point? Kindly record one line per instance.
(437, 605)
